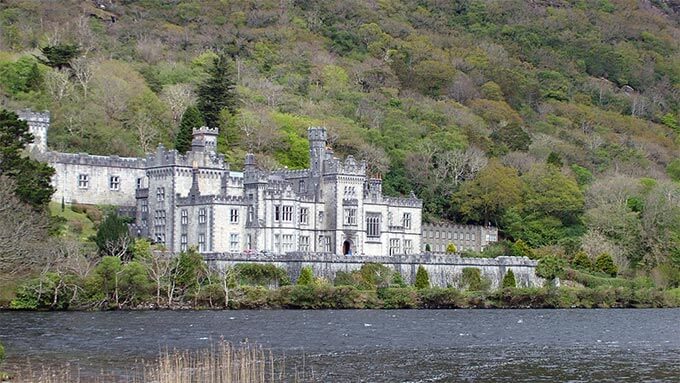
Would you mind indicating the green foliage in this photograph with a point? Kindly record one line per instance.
(217, 92)
(673, 169)
(2, 353)
(521, 249)
(22, 75)
(581, 261)
(604, 263)
(451, 248)
(112, 236)
(551, 267)
(555, 160)
(583, 176)
(306, 277)
(370, 276)
(398, 280)
(266, 275)
(191, 119)
(485, 198)
(33, 178)
(472, 279)
(428, 248)
(59, 56)
(107, 274)
(509, 280)
(422, 278)
(399, 298)
(190, 269)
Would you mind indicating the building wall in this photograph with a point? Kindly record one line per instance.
(98, 171)
(165, 183)
(465, 237)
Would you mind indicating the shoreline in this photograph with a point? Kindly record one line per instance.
(326, 297)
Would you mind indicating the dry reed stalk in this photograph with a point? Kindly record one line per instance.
(221, 363)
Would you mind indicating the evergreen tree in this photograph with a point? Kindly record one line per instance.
(605, 264)
(472, 279)
(306, 277)
(59, 56)
(32, 177)
(217, 92)
(582, 262)
(549, 268)
(555, 160)
(190, 267)
(422, 278)
(34, 80)
(509, 280)
(112, 237)
(190, 119)
(428, 248)
(398, 280)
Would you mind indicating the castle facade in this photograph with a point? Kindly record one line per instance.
(195, 199)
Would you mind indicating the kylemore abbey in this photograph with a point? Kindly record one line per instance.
(195, 199)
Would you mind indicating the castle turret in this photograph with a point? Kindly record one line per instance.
(38, 124)
(204, 139)
(317, 149)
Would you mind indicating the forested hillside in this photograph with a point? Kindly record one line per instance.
(557, 120)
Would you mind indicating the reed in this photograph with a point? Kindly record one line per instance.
(223, 362)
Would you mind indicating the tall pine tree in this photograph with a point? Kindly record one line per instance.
(190, 119)
(32, 177)
(217, 92)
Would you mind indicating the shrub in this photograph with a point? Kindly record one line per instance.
(582, 262)
(2, 353)
(509, 280)
(550, 267)
(521, 249)
(398, 280)
(306, 277)
(401, 298)
(472, 279)
(257, 274)
(440, 298)
(451, 248)
(605, 264)
(422, 278)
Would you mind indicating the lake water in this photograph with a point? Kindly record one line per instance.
(371, 345)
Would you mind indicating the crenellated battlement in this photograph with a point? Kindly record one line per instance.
(286, 173)
(31, 116)
(205, 130)
(164, 157)
(348, 167)
(94, 160)
(210, 200)
(403, 201)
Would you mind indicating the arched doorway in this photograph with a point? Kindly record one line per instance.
(347, 247)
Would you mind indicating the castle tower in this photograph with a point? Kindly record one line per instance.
(38, 123)
(317, 149)
(204, 139)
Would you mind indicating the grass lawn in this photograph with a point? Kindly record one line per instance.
(74, 221)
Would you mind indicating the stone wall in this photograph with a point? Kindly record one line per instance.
(443, 270)
(98, 171)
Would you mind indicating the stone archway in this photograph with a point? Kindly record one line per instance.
(347, 247)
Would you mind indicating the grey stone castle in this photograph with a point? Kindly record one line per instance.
(195, 199)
